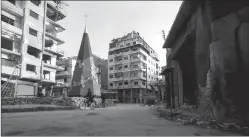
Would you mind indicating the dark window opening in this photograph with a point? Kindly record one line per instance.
(135, 83)
(12, 1)
(111, 60)
(33, 14)
(65, 68)
(134, 43)
(32, 32)
(7, 20)
(125, 58)
(7, 44)
(46, 75)
(46, 59)
(125, 83)
(126, 66)
(65, 80)
(111, 76)
(33, 52)
(31, 68)
(111, 84)
(111, 68)
(120, 84)
(36, 2)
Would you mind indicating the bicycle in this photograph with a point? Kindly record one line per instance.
(85, 103)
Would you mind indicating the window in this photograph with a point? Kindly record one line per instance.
(12, 1)
(144, 74)
(111, 68)
(7, 20)
(33, 14)
(135, 66)
(120, 84)
(111, 60)
(31, 68)
(32, 32)
(111, 84)
(36, 2)
(149, 76)
(7, 44)
(33, 52)
(135, 83)
(111, 76)
(65, 80)
(125, 58)
(126, 50)
(127, 44)
(134, 43)
(125, 83)
(135, 49)
(126, 66)
(65, 68)
(143, 83)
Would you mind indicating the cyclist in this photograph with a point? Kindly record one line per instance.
(89, 97)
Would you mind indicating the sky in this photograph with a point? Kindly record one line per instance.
(113, 19)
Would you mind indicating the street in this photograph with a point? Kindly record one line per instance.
(123, 119)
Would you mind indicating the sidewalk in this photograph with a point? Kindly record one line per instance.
(33, 107)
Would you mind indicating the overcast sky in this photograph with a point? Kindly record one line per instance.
(112, 19)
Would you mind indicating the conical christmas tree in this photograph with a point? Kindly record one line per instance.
(84, 76)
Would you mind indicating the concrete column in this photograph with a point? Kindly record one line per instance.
(123, 96)
(131, 96)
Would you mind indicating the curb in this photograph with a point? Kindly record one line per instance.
(35, 109)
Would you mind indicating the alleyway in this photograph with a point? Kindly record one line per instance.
(127, 120)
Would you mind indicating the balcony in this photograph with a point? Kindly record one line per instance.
(11, 28)
(8, 68)
(11, 8)
(53, 37)
(62, 73)
(10, 52)
(53, 51)
(53, 26)
(53, 9)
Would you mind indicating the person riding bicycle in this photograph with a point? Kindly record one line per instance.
(89, 97)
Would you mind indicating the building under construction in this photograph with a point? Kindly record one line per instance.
(29, 46)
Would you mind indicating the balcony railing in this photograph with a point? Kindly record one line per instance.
(6, 5)
(14, 29)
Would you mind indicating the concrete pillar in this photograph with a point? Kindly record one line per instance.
(131, 96)
(124, 96)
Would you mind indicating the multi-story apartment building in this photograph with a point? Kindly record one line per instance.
(131, 59)
(64, 77)
(29, 40)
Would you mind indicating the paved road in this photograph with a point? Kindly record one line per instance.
(126, 120)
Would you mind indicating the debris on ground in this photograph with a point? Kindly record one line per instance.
(188, 118)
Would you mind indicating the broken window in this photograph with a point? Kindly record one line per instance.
(33, 52)
(32, 32)
(36, 2)
(31, 68)
(33, 14)
(12, 1)
(46, 75)
(7, 44)
(7, 20)
(46, 59)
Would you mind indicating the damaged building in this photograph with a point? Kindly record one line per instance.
(29, 46)
(208, 61)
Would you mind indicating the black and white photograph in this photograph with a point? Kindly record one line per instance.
(125, 68)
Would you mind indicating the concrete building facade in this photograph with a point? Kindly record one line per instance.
(208, 65)
(64, 77)
(129, 59)
(29, 40)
